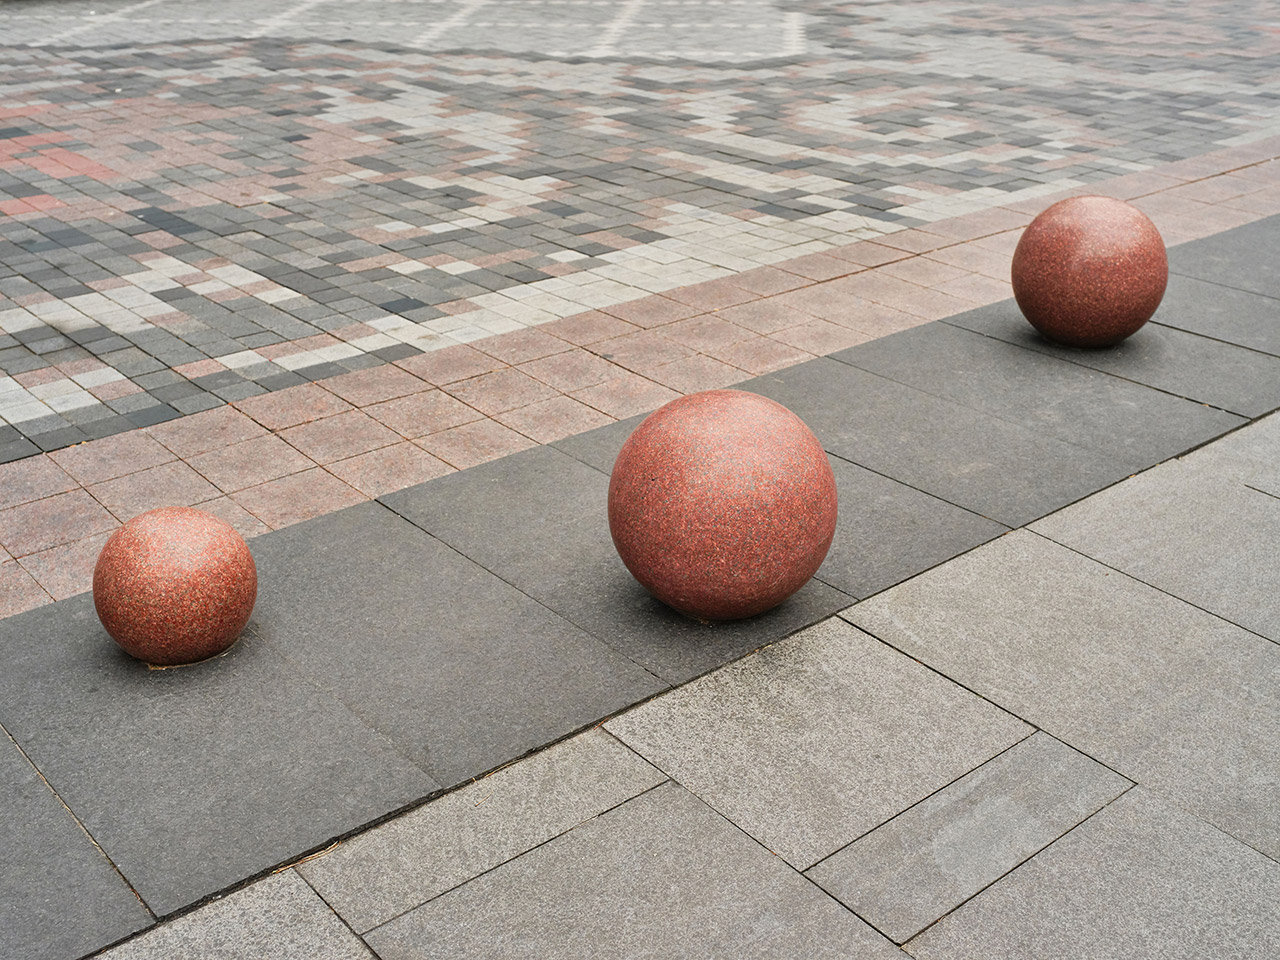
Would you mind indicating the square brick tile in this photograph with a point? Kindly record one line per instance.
(301, 496)
(18, 591)
(112, 457)
(209, 430)
(762, 355)
(819, 266)
(66, 570)
(826, 301)
(768, 315)
(521, 345)
(249, 463)
(655, 311)
(336, 438)
(390, 468)
(245, 523)
(711, 295)
(868, 253)
(423, 413)
(976, 259)
(63, 518)
(474, 443)
(821, 337)
(554, 419)
(374, 385)
(922, 271)
(168, 485)
(450, 365)
(915, 241)
(32, 479)
(641, 351)
(571, 370)
(584, 328)
(696, 373)
(707, 332)
(976, 288)
(292, 406)
(766, 281)
(627, 395)
(500, 391)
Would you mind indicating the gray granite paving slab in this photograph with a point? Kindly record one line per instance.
(1224, 313)
(816, 740)
(887, 531)
(904, 875)
(993, 467)
(1200, 368)
(1134, 423)
(1243, 258)
(59, 896)
(1250, 455)
(1186, 530)
(1139, 879)
(460, 670)
(279, 917)
(1159, 690)
(539, 520)
(660, 876)
(191, 779)
(386, 871)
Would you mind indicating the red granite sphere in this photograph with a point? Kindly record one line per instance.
(175, 585)
(722, 504)
(1089, 271)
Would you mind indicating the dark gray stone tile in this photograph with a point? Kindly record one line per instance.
(599, 447)
(191, 779)
(1138, 879)
(539, 520)
(1199, 368)
(887, 532)
(280, 917)
(1242, 258)
(60, 897)
(1073, 403)
(813, 741)
(1190, 532)
(660, 876)
(904, 875)
(457, 668)
(1223, 313)
(1160, 691)
(386, 871)
(995, 468)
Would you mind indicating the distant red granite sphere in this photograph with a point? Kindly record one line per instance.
(1089, 271)
(175, 585)
(722, 504)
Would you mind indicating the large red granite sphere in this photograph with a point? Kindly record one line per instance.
(722, 504)
(1089, 271)
(175, 585)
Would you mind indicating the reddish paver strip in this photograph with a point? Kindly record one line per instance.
(535, 385)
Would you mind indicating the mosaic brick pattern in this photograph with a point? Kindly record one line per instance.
(198, 209)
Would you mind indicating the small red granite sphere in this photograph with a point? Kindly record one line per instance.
(175, 585)
(722, 504)
(1089, 271)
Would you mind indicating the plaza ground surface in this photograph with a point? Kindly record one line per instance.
(387, 283)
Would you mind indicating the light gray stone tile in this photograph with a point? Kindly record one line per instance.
(388, 870)
(279, 917)
(1189, 531)
(1163, 692)
(1250, 455)
(1138, 879)
(660, 876)
(904, 875)
(813, 741)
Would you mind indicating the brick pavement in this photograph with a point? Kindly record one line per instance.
(200, 208)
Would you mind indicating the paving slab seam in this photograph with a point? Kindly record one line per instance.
(1147, 583)
(83, 829)
(542, 843)
(906, 944)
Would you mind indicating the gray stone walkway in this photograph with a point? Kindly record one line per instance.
(1063, 744)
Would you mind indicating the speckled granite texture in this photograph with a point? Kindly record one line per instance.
(722, 504)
